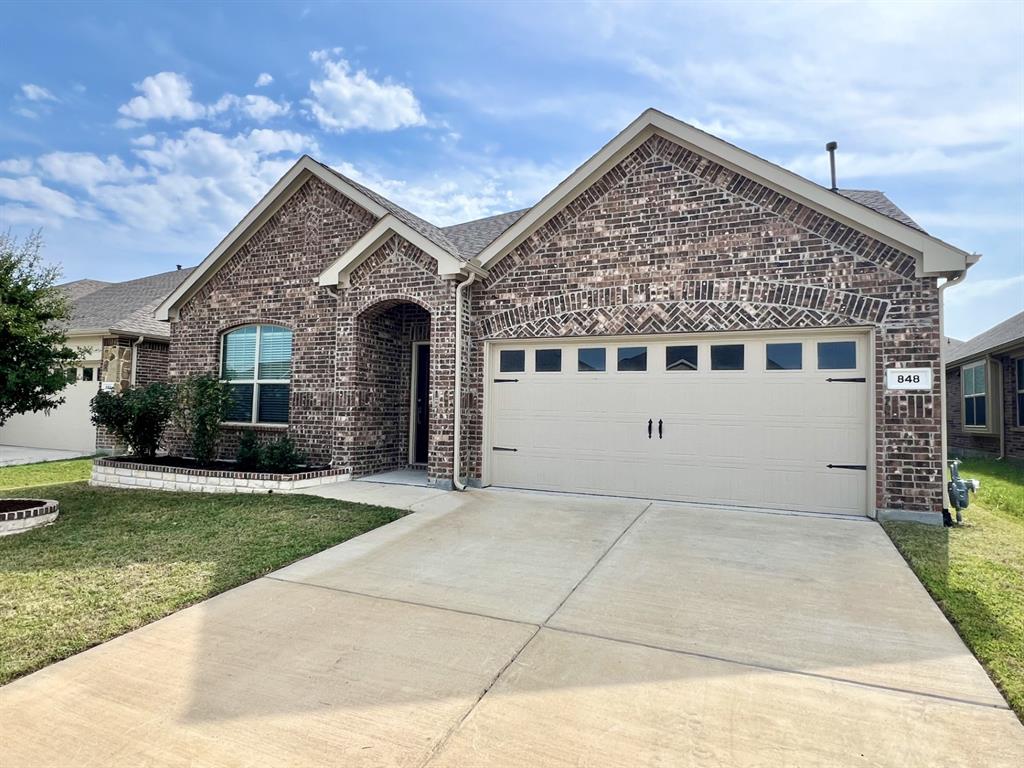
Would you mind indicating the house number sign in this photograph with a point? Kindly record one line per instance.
(908, 378)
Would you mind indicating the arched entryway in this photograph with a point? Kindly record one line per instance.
(391, 379)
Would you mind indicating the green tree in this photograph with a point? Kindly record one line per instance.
(33, 319)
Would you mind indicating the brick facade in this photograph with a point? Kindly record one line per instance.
(118, 356)
(964, 443)
(272, 279)
(670, 242)
(665, 242)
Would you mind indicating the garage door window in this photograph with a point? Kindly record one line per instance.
(681, 358)
(727, 357)
(591, 359)
(837, 355)
(548, 360)
(632, 358)
(512, 361)
(784, 357)
(975, 400)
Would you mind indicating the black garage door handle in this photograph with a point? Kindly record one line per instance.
(659, 429)
(650, 426)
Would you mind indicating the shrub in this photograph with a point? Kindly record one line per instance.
(200, 405)
(137, 417)
(282, 456)
(250, 452)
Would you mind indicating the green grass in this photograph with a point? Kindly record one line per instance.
(118, 559)
(46, 473)
(976, 572)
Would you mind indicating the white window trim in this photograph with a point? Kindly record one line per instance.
(256, 382)
(983, 364)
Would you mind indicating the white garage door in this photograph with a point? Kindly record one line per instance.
(751, 421)
(68, 427)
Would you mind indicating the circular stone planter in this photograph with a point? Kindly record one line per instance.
(19, 515)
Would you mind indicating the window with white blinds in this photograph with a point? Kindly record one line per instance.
(256, 362)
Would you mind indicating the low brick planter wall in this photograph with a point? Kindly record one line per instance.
(129, 474)
(40, 512)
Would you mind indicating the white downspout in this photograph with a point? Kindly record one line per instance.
(942, 381)
(135, 356)
(457, 457)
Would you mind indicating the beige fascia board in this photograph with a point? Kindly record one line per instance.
(305, 168)
(934, 257)
(340, 270)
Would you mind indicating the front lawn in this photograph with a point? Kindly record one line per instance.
(46, 473)
(976, 572)
(118, 559)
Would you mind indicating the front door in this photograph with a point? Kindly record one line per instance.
(421, 403)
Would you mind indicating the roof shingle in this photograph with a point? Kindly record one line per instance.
(126, 306)
(1005, 333)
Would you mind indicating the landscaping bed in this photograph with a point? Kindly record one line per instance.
(975, 572)
(175, 476)
(116, 560)
(20, 515)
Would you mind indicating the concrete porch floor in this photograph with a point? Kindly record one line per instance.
(514, 629)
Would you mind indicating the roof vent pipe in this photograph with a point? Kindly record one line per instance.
(831, 148)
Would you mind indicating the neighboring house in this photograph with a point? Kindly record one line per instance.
(678, 319)
(123, 344)
(985, 386)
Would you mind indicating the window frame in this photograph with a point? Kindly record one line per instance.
(983, 365)
(1018, 370)
(255, 380)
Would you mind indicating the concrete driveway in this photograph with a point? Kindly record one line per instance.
(11, 455)
(499, 628)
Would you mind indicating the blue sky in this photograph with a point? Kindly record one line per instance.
(137, 135)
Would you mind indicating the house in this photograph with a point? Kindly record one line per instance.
(678, 319)
(985, 386)
(123, 344)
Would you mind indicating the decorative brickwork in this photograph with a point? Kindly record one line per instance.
(273, 279)
(670, 242)
(665, 242)
(396, 297)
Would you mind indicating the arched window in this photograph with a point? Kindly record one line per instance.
(256, 361)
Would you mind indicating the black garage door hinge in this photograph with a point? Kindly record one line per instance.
(498, 448)
(504, 381)
(847, 466)
(857, 379)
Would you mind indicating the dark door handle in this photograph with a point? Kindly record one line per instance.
(650, 426)
(659, 429)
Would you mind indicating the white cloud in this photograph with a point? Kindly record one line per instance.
(192, 187)
(165, 96)
(259, 108)
(472, 189)
(168, 96)
(16, 165)
(30, 189)
(86, 170)
(26, 112)
(925, 160)
(345, 100)
(976, 292)
(264, 80)
(34, 92)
